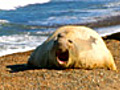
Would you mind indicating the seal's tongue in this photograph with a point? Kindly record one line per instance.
(62, 57)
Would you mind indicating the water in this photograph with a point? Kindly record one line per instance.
(23, 23)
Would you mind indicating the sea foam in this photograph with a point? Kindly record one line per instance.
(19, 43)
(2, 21)
(13, 4)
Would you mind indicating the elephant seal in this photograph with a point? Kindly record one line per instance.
(73, 47)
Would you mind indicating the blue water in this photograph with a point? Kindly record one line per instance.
(20, 27)
(59, 12)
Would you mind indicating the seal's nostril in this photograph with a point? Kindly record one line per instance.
(61, 35)
(70, 41)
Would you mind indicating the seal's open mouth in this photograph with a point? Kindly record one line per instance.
(62, 57)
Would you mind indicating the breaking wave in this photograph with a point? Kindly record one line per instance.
(20, 43)
(13, 4)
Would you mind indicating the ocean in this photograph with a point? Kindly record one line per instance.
(25, 24)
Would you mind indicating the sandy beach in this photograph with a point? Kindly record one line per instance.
(15, 75)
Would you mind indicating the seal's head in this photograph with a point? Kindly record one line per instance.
(64, 50)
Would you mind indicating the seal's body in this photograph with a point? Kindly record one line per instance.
(73, 47)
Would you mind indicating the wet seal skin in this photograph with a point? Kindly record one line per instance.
(73, 47)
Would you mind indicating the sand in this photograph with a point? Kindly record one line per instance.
(15, 75)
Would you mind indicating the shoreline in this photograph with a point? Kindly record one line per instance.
(24, 52)
(115, 36)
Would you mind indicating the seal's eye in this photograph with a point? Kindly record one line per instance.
(70, 41)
